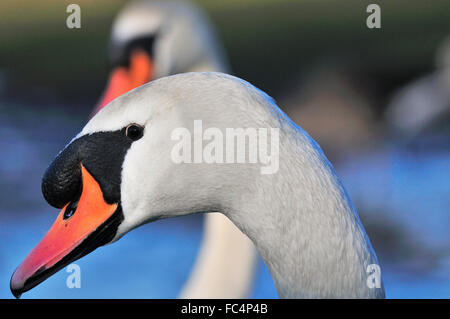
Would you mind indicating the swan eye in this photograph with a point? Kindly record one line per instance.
(70, 210)
(134, 131)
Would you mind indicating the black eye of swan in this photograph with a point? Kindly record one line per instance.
(70, 209)
(134, 131)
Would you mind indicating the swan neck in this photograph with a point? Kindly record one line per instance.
(305, 227)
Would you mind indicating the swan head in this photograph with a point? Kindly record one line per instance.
(152, 39)
(119, 173)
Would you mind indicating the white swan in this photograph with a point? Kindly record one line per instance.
(152, 39)
(299, 218)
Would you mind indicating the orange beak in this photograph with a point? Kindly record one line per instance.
(123, 80)
(74, 234)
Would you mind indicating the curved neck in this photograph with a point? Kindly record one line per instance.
(299, 217)
(304, 225)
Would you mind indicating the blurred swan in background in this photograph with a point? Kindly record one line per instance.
(152, 39)
(424, 103)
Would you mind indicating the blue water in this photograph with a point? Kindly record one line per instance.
(406, 187)
(407, 190)
(390, 185)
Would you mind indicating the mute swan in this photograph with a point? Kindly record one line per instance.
(151, 39)
(300, 217)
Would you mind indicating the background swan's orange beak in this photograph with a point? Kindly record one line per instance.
(124, 79)
(73, 235)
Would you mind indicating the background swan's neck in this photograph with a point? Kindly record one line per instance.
(304, 225)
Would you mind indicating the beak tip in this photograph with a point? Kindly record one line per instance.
(17, 293)
(16, 287)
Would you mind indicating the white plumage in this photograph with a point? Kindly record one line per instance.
(300, 219)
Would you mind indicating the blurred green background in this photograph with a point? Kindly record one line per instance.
(269, 43)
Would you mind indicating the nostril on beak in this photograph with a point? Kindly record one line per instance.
(70, 209)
